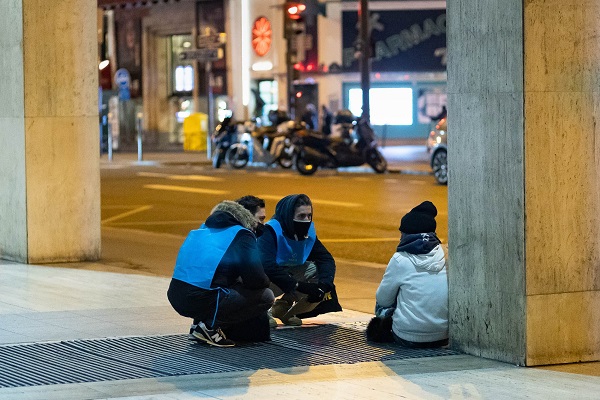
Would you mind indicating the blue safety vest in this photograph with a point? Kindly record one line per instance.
(201, 253)
(292, 252)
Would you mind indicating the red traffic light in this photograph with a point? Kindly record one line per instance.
(294, 10)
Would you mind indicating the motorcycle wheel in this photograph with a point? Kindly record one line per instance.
(237, 156)
(286, 160)
(376, 160)
(439, 164)
(303, 167)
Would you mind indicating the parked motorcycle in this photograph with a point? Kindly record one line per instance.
(268, 145)
(223, 137)
(354, 146)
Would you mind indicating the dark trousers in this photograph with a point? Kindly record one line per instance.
(419, 345)
(217, 307)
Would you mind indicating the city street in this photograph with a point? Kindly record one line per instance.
(148, 210)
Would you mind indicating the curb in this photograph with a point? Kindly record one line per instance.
(409, 171)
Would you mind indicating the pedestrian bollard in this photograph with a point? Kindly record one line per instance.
(110, 142)
(139, 135)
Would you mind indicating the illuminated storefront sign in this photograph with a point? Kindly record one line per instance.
(261, 36)
(401, 40)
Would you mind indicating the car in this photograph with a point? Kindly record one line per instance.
(437, 146)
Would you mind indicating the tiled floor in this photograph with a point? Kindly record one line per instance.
(48, 303)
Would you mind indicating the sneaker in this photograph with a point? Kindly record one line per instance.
(191, 334)
(272, 322)
(279, 308)
(292, 321)
(214, 337)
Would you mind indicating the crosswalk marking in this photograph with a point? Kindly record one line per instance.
(187, 189)
(201, 178)
(315, 201)
(126, 214)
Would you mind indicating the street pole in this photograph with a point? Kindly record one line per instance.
(290, 77)
(210, 105)
(364, 61)
(195, 63)
(289, 65)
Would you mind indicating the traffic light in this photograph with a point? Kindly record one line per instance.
(294, 10)
(294, 20)
(295, 29)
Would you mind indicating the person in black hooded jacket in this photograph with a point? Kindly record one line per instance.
(218, 279)
(297, 263)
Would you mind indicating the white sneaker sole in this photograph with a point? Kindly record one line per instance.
(199, 336)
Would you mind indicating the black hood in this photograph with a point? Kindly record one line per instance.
(228, 213)
(221, 219)
(284, 213)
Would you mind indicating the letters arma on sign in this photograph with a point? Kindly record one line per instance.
(401, 40)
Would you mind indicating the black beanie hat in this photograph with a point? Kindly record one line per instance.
(420, 219)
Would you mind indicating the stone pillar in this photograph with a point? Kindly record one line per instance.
(49, 131)
(523, 194)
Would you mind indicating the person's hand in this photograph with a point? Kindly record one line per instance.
(315, 294)
(325, 287)
(314, 291)
(317, 298)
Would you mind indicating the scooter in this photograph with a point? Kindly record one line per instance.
(223, 137)
(267, 145)
(356, 146)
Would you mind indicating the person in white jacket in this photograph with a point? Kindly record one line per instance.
(414, 287)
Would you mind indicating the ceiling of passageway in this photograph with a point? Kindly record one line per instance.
(111, 4)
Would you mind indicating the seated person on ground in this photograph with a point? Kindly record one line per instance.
(412, 298)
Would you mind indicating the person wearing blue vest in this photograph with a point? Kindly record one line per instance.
(218, 278)
(300, 268)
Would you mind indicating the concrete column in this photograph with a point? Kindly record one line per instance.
(524, 194)
(49, 134)
(235, 73)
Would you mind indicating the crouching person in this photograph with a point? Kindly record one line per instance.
(412, 298)
(295, 260)
(219, 280)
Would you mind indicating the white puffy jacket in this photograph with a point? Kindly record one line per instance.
(418, 284)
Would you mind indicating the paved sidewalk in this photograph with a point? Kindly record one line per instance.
(406, 159)
(42, 304)
(46, 304)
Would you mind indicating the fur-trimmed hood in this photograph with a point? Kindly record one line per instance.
(238, 212)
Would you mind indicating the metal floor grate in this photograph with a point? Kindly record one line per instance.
(94, 360)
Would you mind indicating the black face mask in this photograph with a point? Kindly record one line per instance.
(301, 228)
(260, 228)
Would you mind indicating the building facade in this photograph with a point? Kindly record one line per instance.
(147, 38)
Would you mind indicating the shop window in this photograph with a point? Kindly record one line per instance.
(182, 71)
(184, 78)
(267, 92)
(388, 106)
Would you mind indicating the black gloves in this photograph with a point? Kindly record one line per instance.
(315, 291)
(308, 288)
